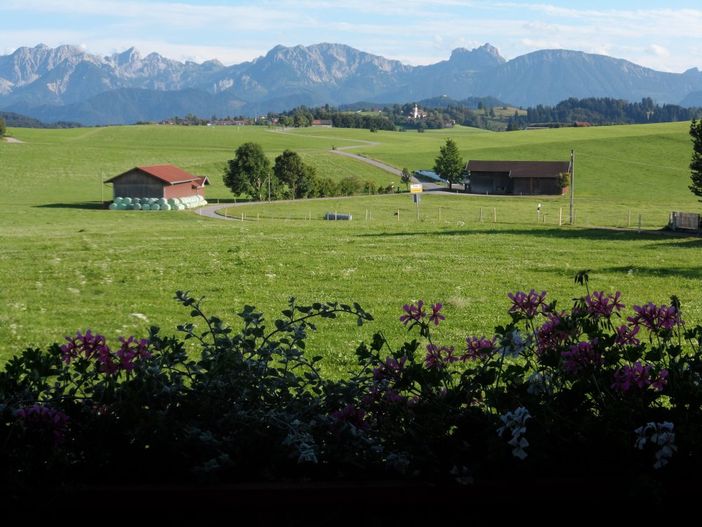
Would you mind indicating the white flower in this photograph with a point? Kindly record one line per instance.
(660, 435)
(515, 423)
(539, 383)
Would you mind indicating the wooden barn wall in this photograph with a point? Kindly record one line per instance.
(136, 184)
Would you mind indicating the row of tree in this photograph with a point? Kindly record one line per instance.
(250, 173)
(3, 127)
(604, 110)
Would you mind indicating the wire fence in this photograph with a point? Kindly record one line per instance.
(452, 212)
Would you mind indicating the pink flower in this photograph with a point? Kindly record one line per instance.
(435, 316)
(601, 305)
(413, 313)
(580, 357)
(478, 348)
(527, 304)
(439, 357)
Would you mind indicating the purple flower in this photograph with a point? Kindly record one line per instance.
(352, 415)
(661, 380)
(478, 348)
(601, 305)
(130, 350)
(627, 377)
(439, 357)
(390, 369)
(626, 336)
(551, 334)
(44, 419)
(413, 313)
(639, 376)
(655, 318)
(435, 316)
(580, 357)
(527, 304)
(87, 345)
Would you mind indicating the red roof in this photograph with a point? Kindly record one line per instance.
(170, 174)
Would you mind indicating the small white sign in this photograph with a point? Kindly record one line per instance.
(416, 188)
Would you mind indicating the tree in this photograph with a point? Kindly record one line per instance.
(291, 170)
(3, 128)
(248, 172)
(696, 161)
(449, 164)
(406, 177)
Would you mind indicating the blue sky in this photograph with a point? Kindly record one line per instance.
(665, 35)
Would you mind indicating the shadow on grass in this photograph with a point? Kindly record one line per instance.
(554, 233)
(84, 205)
(688, 243)
(692, 273)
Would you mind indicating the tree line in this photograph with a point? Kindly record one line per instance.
(603, 110)
(250, 173)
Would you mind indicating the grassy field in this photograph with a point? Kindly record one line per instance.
(69, 265)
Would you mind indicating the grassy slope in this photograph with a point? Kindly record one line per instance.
(69, 265)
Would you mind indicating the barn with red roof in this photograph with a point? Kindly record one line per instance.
(158, 181)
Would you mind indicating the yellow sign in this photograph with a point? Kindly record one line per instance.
(416, 188)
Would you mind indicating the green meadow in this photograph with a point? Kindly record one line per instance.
(66, 264)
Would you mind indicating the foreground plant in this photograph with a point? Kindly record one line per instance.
(585, 391)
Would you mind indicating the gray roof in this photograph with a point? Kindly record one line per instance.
(517, 169)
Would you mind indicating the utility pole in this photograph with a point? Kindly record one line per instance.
(572, 185)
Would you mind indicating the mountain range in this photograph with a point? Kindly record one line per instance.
(67, 83)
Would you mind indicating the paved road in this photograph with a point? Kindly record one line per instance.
(341, 151)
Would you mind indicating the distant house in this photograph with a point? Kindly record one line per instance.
(158, 181)
(516, 177)
(322, 122)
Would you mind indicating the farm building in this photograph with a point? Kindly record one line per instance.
(517, 177)
(158, 181)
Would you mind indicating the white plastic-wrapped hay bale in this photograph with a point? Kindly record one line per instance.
(117, 200)
(113, 206)
(155, 206)
(165, 206)
(180, 206)
(122, 206)
(173, 201)
(127, 201)
(136, 206)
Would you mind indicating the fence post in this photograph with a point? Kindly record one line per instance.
(494, 215)
(398, 215)
(560, 216)
(481, 214)
(639, 222)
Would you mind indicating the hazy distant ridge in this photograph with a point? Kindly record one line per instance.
(67, 83)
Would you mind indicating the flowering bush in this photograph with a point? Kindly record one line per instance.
(585, 391)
